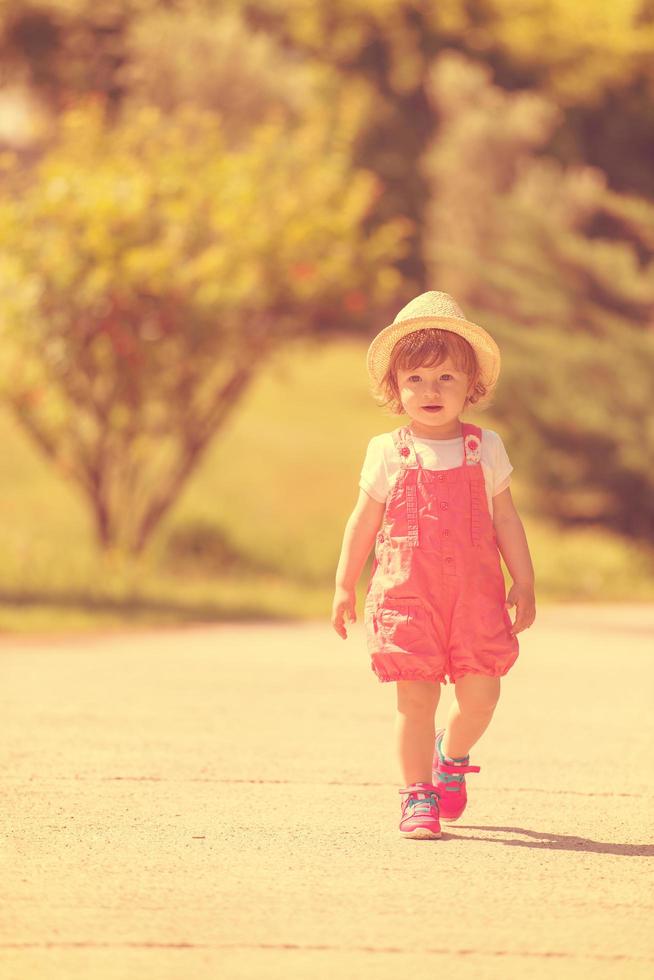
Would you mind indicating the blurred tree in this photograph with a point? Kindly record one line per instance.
(571, 51)
(219, 63)
(561, 269)
(66, 48)
(594, 61)
(147, 271)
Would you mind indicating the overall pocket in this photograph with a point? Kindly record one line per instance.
(402, 625)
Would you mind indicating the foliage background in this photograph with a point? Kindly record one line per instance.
(497, 149)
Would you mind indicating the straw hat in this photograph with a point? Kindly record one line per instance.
(434, 309)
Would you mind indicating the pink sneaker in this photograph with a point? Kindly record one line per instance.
(451, 782)
(420, 811)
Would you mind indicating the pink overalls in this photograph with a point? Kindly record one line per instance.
(435, 601)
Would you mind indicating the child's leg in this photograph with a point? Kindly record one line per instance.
(416, 706)
(470, 714)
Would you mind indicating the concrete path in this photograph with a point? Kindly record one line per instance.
(222, 802)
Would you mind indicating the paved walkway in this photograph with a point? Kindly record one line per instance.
(222, 802)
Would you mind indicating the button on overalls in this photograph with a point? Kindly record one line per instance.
(435, 604)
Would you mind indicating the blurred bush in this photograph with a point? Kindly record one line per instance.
(200, 548)
(561, 270)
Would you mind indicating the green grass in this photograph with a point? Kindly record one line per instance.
(257, 531)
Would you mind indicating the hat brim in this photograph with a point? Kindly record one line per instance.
(487, 351)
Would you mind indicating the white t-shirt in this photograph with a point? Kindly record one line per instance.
(382, 463)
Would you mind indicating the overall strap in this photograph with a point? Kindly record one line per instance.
(472, 457)
(409, 465)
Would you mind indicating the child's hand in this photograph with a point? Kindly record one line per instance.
(343, 607)
(522, 597)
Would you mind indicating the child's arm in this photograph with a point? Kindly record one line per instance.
(360, 532)
(512, 542)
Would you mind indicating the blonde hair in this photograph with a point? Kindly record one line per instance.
(424, 348)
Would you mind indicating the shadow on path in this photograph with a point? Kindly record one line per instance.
(558, 842)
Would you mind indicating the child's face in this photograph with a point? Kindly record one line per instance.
(434, 397)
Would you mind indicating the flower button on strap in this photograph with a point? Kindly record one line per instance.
(472, 449)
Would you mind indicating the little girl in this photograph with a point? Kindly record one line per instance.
(435, 605)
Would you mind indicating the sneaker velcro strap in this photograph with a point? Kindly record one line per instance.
(457, 770)
(425, 788)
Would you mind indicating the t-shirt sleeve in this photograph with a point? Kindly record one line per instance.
(374, 475)
(502, 467)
